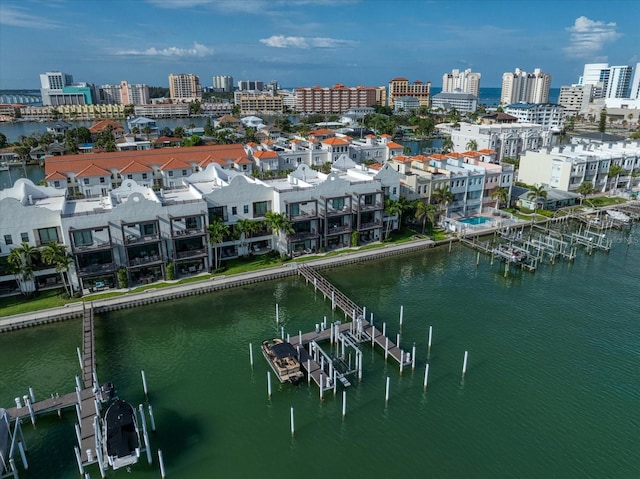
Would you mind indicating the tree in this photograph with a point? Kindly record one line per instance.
(586, 188)
(246, 226)
(535, 193)
(3, 140)
(615, 170)
(472, 145)
(425, 212)
(21, 261)
(602, 123)
(391, 208)
(147, 131)
(501, 194)
(55, 254)
(442, 197)
(278, 222)
(179, 132)
(217, 231)
(208, 128)
(447, 145)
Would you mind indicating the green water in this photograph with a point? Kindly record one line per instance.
(551, 390)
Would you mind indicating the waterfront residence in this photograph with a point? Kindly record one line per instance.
(566, 168)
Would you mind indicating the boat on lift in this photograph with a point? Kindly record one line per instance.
(121, 441)
(282, 357)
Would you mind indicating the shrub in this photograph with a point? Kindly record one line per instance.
(123, 279)
(171, 271)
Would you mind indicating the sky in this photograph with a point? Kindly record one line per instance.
(311, 42)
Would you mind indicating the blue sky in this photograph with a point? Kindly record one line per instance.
(306, 43)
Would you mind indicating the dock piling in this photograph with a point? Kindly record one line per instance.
(23, 456)
(144, 383)
(426, 376)
(30, 408)
(277, 315)
(344, 404)
(79, 460)
(386, 393)
(147, 444)
(33, 396)
(401, 314)
(413, 357)
(293, 428)
(464, 363)
(269, 383)
(251, 354)
(163, 473)
(79, 357)
(151, 418)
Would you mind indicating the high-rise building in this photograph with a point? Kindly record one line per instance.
(520, 86)
(609, 81)
(635, 85)
(52, 83)
(464, 82)
(223, 83)
(619, 84)
(185, 87)
(125, 94)
(575, 98)
(250, 85)
(399, 87)
(336, 99)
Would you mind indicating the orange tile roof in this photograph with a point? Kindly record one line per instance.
(312, 140)
(135, 167)
(393, 145)
(385, 135)
(487, 152)
(438, 156)
(265, 154)
(403, 159)
(453, 154)
(471, 153)
(420, 158)
(370, 136)
(104, 124)
(252, 144)
(174, 164)
(56, 175)
(335, 141)
(375, 166)
(92, 170)
(167, 139)
(154, 158)
(322, 132)
(243, 161)
(399, 79)
(208, 160)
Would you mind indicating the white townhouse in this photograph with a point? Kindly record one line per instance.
(566, 168)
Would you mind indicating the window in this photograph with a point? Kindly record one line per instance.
(148, 229)
(245, 209)
(129, 177)
(192, 222)
(48, 235)
(144, 176)
(395, 190)
(260, 208)
(24, 237)
(184, 172)
(82, 238)
(102, 179)
(86, 181)
(294, 210)
(234, 210)
(170, 173)
(8, 240)
(56, 184)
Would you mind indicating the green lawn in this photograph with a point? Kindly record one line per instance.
(53, 298)
(600, 201)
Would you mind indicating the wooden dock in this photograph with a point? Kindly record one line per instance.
(88, 346)
(337, 297)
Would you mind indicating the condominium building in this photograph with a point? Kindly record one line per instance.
(549, 115)
(611, 81)
(258, 102)
(566, 168)
(462, 102)
(506, 140)
(223, 83)
(399, 87)
(465, 82)
(520, 86)
(575, 99)
(185, 87)
(619, 84)
(162, 110)
(53, 83)
(336, 99)
(252, 85)
(125, 94)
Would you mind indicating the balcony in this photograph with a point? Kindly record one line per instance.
(194, 253)
(133, 239)
(338, 229)
(186, 233)
(95, 246)
(371, 206)
(303, 215)
(371, 225)
(302, 235)
(144, 260)
(95, 269)
(345, 210)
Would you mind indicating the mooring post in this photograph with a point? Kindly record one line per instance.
(464, 363)
(413, 357)
(147, 445)
(277, 315)
(293, 428)
(161, 461)
(151, 418)
(30, 408)
(386, 393)
(251, 354)
(33, 397)
(401, 314)
(401, 360)
(398, 340)
(144, 383)
(386, 348)
(269, 383)
(430, 336)
(426, 376)
(23, 456)
(320, 384)
(384, 329)
(79, 357)
(308, 371)
(78, 459)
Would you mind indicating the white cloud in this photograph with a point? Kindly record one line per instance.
(280, 41)
(198, 50)
(588, 37)
(19, 17)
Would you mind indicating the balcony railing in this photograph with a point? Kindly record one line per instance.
(191, 253)
(346, 210)
(368, 226)
(96, 269)
(373, 206)
(183, 233)
(144, 260)
(97, 245)
(303, 235)
(334, 230)
(131, 239)
(303, 215)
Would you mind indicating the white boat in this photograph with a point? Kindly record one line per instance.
(282, 357)
(121, 441)
(619, 216)
(4, 166)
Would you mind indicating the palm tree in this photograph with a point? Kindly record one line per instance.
(585, 189)
(217, 232)
(501, 194)
(472, 145)
(278, 223)
(21, 260)
(536, 192)
(447, 145)
(55, 254)
(391, 208)
(615, 170)
(425, 212)
(442, 197)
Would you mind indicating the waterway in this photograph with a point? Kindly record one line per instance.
(551, 388)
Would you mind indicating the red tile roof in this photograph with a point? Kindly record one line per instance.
(135, 167)
(471, 153)
(370, 136)
(243, 161)
(174, 164)
(385, 135)
(104, 124)
(375, 166)
(92, 170)
(56, 175)
(154, 158)
(167, 139)
(322, 132)
(488, 152)
(335, 141)
(393, 145)
(265, 154)
(453, 154)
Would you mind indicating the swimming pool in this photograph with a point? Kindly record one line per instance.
(475, 220)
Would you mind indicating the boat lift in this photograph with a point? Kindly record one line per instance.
(8, 467)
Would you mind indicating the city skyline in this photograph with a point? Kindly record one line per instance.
(304, 43)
